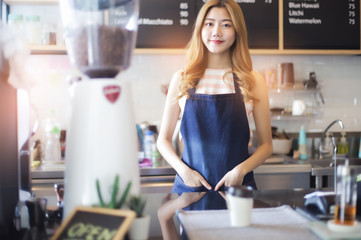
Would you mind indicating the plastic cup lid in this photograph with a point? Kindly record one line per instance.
(241, 191)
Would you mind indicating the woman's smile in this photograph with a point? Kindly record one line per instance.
(216, 41)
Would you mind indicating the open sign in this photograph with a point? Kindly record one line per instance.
(95, 223)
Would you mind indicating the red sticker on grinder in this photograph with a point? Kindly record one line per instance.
(112, 93)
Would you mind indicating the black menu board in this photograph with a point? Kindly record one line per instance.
(261, 18)
(165, 23)
(321, 24)
(169, 23)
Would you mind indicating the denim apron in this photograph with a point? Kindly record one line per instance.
(216, 134)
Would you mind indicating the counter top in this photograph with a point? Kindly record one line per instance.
(165, 206)
(287, 173)
(266, 223)
(289, 165)
(162, 208)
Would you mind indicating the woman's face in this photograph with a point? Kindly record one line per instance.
(218, 33)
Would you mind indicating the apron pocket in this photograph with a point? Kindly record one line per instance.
(179, 186)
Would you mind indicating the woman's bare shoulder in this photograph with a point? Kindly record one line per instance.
(258, 77)
(259, 86)
(177, 76)
(174, 84)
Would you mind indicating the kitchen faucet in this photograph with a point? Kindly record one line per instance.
(321, 150)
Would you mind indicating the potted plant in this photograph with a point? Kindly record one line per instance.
(114, 203)
(141, 224)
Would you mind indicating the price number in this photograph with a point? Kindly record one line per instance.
(184, 22)
(351, 12)
(183, 13)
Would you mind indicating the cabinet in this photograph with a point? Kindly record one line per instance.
(40, 7)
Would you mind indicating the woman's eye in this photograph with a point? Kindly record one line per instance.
(208, 24)
(227, 25)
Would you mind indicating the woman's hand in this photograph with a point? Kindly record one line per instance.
(193, 178)
(233, 177)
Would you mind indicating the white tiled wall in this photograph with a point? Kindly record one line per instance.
(339, 76)
(340, 80)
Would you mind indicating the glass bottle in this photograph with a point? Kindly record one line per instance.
(15, 22)
(33, 29)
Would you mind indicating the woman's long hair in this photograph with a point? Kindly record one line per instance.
(196, 57)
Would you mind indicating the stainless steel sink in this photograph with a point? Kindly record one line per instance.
(327, 165)
(321, 168)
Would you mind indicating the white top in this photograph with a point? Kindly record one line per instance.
(218, 81)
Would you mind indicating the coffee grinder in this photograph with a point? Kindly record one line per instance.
(101, 139)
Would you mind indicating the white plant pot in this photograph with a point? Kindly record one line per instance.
(140, 228)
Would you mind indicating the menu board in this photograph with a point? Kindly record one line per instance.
(165, 23)
(169, 23)
(307, 24)
(261, 18)
(321, 24)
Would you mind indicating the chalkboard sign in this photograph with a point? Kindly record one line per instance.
(169, 23)
(165, 23)
(95, 223)
(262, 23)
(321, 24)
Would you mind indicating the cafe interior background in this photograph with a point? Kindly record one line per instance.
(338, 76)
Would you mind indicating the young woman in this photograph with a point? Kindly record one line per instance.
(214, 95)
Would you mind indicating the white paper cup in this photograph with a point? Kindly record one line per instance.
(298, 107)
(240, 204)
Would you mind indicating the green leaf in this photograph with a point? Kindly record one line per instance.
(114, 192)
(124, 196)
(137, 204)
(102, 204)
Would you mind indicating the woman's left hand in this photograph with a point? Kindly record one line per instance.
(233, 177)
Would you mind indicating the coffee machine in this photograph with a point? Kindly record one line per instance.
(101, 139)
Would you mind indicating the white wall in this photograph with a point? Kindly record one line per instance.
(340, 80)
(339, 76)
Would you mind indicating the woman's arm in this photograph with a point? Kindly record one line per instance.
(262, 119)
(164, 143)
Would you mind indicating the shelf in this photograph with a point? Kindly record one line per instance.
(180, 51)
(159, 51)
(292, 117)
(303, 52)
(32, 2)
(254, 51)
(55, 49)
(294, 90)
(47, 49)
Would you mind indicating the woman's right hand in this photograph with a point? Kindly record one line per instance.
(193, 178)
